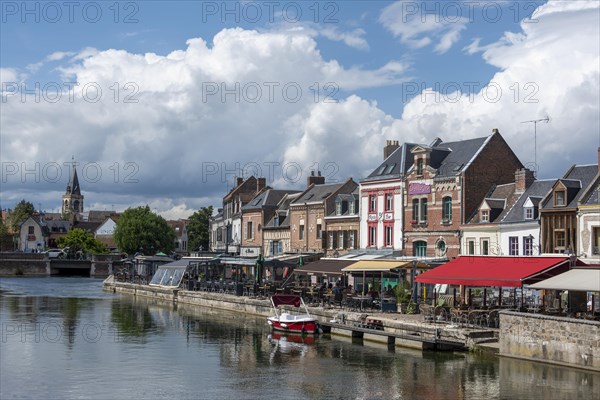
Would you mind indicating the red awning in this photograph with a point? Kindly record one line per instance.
(495, 271)
(286, 300)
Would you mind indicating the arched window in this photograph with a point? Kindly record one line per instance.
(420, 248)
(447, 209)
(440, 248)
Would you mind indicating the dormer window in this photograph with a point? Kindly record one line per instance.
(485, 216)
(529, 213)
(351, 207)
(338, 208)
(276, 220)
(559, 198)
(420, 166)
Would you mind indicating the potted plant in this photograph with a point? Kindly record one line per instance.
(402, 296)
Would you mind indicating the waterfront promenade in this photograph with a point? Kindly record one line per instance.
(555, 340)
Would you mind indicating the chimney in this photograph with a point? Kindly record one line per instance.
(317, 180)
(390, 146)
(239, 181)
(523, 179)
(494, 131)
(260, 184)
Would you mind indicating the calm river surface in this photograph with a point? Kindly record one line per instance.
(64, 338)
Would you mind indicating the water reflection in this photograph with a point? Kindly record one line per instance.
(124, 347)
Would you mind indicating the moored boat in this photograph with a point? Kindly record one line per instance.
(287, 322)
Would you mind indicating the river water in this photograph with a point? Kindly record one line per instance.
(64, 338)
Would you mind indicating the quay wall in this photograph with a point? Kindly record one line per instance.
(26, 264)
(39, 264)
(414, 335)
(555, 340)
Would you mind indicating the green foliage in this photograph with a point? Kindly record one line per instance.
(80, 240)
(22, 211)
(402, 292)
(140, 230)
(198, 229)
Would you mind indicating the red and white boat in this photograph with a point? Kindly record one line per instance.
(287, 322)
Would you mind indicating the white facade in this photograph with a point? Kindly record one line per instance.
(588, 220)
(480, 240)
(31, 236)
(107, 228)
(381, 216)
(526, 235)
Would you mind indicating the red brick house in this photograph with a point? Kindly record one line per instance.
(445, 186)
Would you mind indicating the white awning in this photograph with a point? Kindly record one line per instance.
(578, 279)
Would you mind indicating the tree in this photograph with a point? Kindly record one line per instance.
(198, 228)
(81, 240)
(22, 211)
(139, 229)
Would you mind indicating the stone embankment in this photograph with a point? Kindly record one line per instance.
(393, 329)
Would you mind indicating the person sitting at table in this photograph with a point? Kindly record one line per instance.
(350, 290)
(372, 293)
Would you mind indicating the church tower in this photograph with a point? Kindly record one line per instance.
(72, 200)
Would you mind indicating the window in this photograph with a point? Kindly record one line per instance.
(340, 240)
(338, 208)
(276, 220)
(301, 232)
(372, 236)
(372, 203)
(31, 230)
(559, 198)
(415, 213)
(249, 231)
(351, 239)
(330, 240)
(351, 207)
(596, 247)
(513, 246)
(447, 209)
(389, 231)
(441, 248)
(485, 216)
(559, 240)
(219, 235)
(529, 213)
(471, 247)
(420, 248)
(485, 247)
(528, 246)
(389, 201)
(319, 231)
(420, 166)
(423, 218)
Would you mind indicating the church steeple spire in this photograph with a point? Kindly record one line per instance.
(72, 202)
(73, 185)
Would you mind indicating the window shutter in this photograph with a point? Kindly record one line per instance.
(345, 240)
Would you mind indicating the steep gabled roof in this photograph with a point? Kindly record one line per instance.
(269, 198)
(318, 193)
(454, 157)
(591, 196)
(536, 191)
(394, 166)
(576, 179)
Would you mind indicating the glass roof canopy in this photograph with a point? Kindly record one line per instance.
(170, 276)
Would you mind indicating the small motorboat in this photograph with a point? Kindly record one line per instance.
(291, 322)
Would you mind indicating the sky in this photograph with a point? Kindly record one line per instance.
(165, 103)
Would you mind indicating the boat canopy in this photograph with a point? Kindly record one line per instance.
(286, 300)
